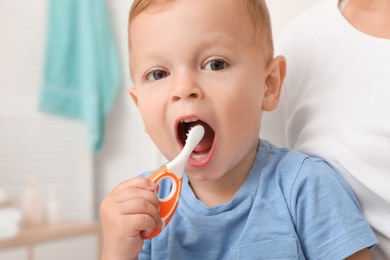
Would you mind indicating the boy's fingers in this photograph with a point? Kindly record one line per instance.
(140, 206)
(133, 207)
(137, 182)
(148, 213)
(136, 193)
(132, 201)
(142, 223)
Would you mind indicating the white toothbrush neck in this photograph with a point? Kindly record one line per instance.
(177, 165)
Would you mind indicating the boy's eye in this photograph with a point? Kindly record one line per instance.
(156, 75)
(216, 65)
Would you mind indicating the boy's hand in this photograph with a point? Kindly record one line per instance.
(131, 208)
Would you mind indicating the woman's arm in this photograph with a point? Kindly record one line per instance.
(361, 255)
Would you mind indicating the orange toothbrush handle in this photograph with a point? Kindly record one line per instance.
(168, 204)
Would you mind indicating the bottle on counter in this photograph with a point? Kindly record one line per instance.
(32, 207)
(53, 212)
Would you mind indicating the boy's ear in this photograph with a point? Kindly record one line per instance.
(276, 72)
(133, 95)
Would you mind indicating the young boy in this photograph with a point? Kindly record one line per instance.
(211, 63)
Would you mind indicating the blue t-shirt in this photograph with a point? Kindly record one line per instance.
(291, 206)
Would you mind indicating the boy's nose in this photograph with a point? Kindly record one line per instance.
(186, 89)
(191, 95)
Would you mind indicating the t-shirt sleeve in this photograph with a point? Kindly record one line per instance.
(327, 214)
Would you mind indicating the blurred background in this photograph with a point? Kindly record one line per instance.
(50, 173)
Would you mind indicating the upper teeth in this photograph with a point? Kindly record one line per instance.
(189, 120)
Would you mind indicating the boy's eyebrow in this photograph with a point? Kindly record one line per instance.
(218, 40)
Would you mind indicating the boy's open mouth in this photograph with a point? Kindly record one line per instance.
(204, 146)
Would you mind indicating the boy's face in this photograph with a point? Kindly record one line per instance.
(197, 60)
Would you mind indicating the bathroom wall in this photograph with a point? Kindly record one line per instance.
(36, 147)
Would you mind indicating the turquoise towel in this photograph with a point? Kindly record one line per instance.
(82, 69)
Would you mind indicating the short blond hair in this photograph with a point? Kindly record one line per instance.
(257, 9)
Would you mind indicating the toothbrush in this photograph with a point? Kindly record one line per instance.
(174, 171)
